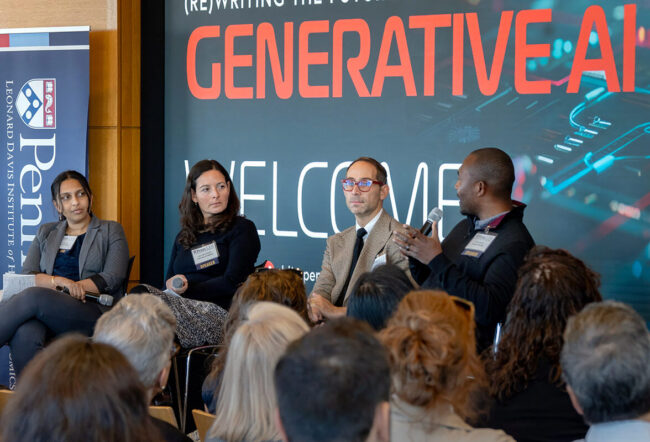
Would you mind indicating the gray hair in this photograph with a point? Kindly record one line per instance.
(606, 362)
(142, 327)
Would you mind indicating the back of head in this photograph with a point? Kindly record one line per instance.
(282, 286)
(330, 382)
(606, 362)
(77, 390)
(552, 286)
(495, 167)
(432, 351)
(247, 396)
(142, 327)
(377, 293)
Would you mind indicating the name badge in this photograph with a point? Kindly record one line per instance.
(206, 255)
(68, 242)
(479, 244)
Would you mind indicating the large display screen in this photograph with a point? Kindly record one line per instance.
(285, 93)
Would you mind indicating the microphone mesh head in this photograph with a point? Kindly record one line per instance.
(435, 215)
(106, 300)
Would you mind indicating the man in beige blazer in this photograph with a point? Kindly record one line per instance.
(365, 190)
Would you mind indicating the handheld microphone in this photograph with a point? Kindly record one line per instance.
(106, 300)
(434, 216)
(177, 283)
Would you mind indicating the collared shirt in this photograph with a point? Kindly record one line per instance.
(370, 225)
(481, 224)
(627, 430)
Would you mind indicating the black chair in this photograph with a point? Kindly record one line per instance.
(187, 353)
(125, 286)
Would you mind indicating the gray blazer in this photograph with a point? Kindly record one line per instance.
(104, 255)
(338, 257)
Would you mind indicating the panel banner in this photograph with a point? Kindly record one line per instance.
(285, 93)
(43, 131)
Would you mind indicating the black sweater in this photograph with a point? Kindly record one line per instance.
(238, 249)
(488, 281)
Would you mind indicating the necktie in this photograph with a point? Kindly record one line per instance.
(358, 246)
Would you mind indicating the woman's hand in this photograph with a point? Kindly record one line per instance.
(75, 289)
(180, 290)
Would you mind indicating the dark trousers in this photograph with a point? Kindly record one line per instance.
(35, 315)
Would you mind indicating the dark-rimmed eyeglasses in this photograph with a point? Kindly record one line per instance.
(363, 185)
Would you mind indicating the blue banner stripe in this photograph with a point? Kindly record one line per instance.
(21, 40)
(68, 38)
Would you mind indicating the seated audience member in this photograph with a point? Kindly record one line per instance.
(606, 365)
(247, 403)
(333, 385)
(531, 403)
(437, 376)
(376, 294)
(212, 255)
(142, 327)
(282, 286)
(80, 253)
(77, 390)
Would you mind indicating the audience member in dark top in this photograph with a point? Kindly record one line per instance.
(80, 253)
(606, 365)
(76, 390)
(531, 401)
(212, 255)
(333, 385)
(438, 379)
(376, 294)
(247, 401)
(142, 327)
(282, 286)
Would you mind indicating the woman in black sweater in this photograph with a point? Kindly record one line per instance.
(212, 255)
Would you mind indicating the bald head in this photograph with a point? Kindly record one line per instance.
(494, 167)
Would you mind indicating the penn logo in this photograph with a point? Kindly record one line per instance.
(36, 103)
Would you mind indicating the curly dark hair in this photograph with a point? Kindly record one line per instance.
(192, 221)
(552, 286)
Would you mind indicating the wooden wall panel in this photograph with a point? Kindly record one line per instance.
(103, 164)
(98, 14)
(130, 182)
(130, 62)
(103, 110)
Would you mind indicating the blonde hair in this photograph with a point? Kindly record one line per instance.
(246, 400)
(432, 352)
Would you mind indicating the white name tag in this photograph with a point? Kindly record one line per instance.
(479, 244)
(68, 242)
(379, 261)
(206, 255)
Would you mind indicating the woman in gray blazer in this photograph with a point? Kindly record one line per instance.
(79, 254)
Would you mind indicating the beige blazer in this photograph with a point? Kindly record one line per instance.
(338, 257)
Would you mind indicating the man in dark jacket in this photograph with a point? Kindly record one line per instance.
(479, 259)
